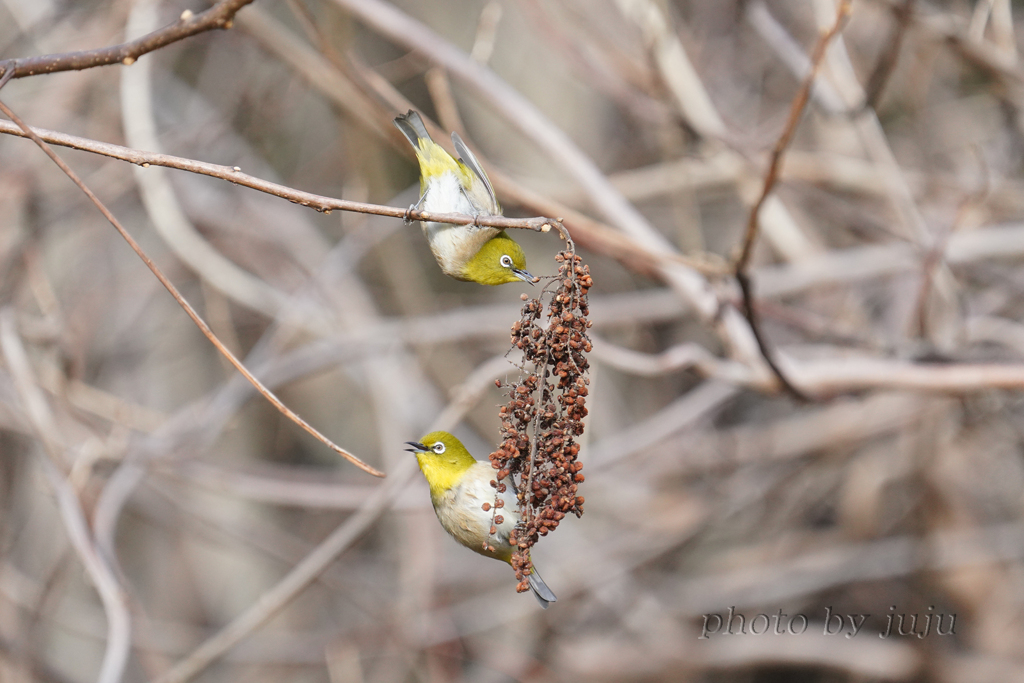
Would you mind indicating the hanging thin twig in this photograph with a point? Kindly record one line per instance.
(771, 178)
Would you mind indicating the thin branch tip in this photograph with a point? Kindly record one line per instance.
(356, 461)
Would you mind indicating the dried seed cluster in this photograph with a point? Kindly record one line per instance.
(545, 410)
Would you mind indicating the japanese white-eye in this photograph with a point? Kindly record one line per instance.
(465, 252)
(460, 488)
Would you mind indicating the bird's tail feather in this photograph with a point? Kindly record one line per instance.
(412, 127)
(540, 590)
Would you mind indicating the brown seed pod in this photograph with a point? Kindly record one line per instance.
(544, 413)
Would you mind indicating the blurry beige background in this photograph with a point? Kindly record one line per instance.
(888, 270)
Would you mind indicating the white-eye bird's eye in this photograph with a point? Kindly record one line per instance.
(506, 261)
(438, 448)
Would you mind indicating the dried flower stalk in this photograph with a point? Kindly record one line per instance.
(544, 413)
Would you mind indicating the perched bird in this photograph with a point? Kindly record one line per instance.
(465, 252)
(459, 487)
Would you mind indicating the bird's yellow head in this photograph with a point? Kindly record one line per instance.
(443, 460)
(499, 261)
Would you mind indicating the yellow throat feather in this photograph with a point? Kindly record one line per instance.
(444, 471)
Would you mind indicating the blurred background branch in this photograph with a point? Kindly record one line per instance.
(156, 524)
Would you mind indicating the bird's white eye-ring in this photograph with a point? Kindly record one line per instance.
(438, 447)
(506, 261)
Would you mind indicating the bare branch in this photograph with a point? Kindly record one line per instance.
(219, 16)
(233, 174)
(886, 63)
(771, 178)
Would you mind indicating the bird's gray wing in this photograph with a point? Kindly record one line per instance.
(469, 159)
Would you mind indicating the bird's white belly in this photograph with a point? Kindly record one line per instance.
(452, 245)
(445, 195)
(466, 520)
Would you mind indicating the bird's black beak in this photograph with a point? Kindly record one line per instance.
(417, 447)
(523, 275)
